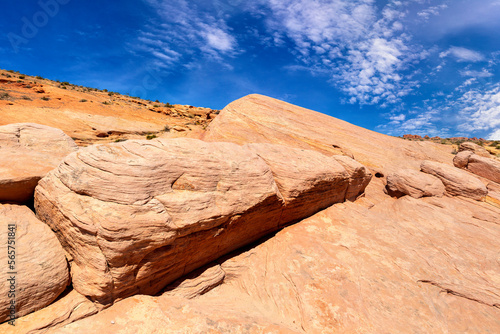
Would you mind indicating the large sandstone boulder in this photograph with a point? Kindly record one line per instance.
(137, 215)
(461, 160)
(35, 265)
(27, 152)
(457, 182)
(474, 148)
(413, 183)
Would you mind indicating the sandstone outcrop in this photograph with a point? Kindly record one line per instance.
(414, 183)
(67, 309)
(27, 152)
(457, 182)
(35, 265)
(135, 216)
(475, 148)
(427, 264)
(485, 167)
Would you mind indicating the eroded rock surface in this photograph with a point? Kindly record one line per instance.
(414, 183)
(27, 152)
(457, 182)
(38, 261)
(426, 264)
(135, 216)
(474, 148)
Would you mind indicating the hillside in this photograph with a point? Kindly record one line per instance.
(91, 116)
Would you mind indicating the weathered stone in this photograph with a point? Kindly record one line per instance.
(461, 160)
(457, 182)
(475, 148)
(31, 251)
(27, 152)
(69, 308)
(134, 216)
(359, 176)
(414, 183)
(308, 181)
(427, 264)
(485, 167)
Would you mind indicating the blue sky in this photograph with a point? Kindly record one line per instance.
(396, 67)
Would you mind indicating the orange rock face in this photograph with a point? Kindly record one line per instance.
(135, 215)
(39, 272)
(27, 152)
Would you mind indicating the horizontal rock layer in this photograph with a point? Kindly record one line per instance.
(135, 216)
(414, 183)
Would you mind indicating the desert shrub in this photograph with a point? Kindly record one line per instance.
(120, 140)
(63, 87)
(4, 96)
(166, 128)
(106, 103)
(498, 147)
(83, 100)
(168, 105)
(156, 106)
(27, 98)
(111, 93)
(38, 77)
(22, 77)
(150, 136)
(45, 98)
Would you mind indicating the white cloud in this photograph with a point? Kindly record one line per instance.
(476, 74)
(434, 10)
(463, 54)
(183, 34)
(495, 135)
(364, 49)
(479, 109)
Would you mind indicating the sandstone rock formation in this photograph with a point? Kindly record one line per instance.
(485, 167)
(135, 215)
(261, 119)
(461, 160)
(39, 271)
(456, 181)
(71, 307)
(414, 183)
(475, 148)
(376, 264)
(27, 152)
(426, 265)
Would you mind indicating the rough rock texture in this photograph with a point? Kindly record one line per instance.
(309, 181)
(27, 152)
(424, 265)
(71, 307)
(461, 160)
(457, 182)
(39, 262)
(475, 148)
(415, 184)
(485, 167)
(135, 216)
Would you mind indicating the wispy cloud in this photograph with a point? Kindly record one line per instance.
(365, 49)
(182, 34)
(431, 11)
(477, 74)
(463, 54)
(479, 109)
